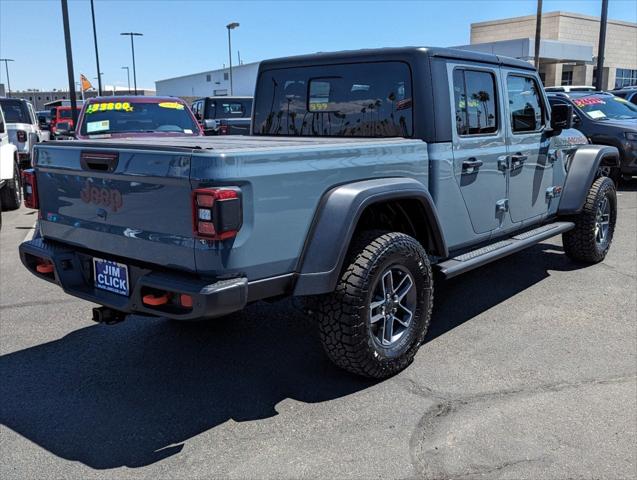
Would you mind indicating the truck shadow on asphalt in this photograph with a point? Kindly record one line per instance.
(132, 394)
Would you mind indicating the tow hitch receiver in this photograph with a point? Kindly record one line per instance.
(108, 315)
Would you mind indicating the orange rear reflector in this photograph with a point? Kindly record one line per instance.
(155, 300)
(185, 300)
(44, 267)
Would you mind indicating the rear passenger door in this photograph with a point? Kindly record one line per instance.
(479, 144)
(530, 170)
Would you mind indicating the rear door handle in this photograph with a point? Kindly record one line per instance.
(518, 160)
(471, 164)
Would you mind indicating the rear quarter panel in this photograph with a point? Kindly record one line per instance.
(281, 191)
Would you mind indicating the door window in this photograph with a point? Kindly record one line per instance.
(525, 104)
(475, 102)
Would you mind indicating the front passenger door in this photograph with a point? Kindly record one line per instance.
(530, 169)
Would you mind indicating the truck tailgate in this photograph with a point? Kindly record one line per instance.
(133, 202)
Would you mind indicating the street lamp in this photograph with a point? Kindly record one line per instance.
(6, 67)
(132, 46)
(97, 56)
(128, 76)
(230, 26)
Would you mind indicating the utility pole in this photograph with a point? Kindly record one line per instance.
(6, 67)
(127, 76)
(538, 34)
(69, 60)
(97, 56)
(601, 46)
(230, 26)
(132, 46)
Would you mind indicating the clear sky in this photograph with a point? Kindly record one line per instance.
(182, 37)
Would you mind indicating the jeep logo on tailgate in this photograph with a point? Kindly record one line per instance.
(107, 197)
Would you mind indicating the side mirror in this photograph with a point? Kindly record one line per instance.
(561, 117)
(576, 119)
(209, 124)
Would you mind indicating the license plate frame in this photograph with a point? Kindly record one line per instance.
(111, 276)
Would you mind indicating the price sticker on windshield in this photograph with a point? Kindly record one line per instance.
(583, 102)
(104, 107)
(173, 105)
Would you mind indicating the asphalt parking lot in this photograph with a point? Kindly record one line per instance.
(529, 371)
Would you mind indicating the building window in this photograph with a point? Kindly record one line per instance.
(567, 77)
(225, 76)
(208, 78)
(625, 77)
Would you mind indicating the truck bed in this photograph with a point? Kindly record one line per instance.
(141, 210)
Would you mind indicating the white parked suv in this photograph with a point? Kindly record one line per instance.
(23, 128)
(10, 193)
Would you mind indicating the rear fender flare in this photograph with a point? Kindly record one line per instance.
(335, 222)
(582, 173)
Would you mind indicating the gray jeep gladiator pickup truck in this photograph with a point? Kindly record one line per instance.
(366, 171)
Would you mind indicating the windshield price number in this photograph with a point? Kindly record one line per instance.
(103, 107)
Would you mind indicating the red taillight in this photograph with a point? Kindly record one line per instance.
(223, 130)
(30, 189)
(216, 213)
(22, 136)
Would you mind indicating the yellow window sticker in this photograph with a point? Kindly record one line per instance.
(102, 107)
(173, 105)
(620, 99)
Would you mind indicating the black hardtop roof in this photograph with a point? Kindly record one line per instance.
(391, 53)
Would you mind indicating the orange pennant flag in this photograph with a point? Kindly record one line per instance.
(85, 83)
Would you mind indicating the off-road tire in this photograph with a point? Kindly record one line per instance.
(581, 243)
(11, 194)
(343, 317)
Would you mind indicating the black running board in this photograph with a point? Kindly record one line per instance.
(489, 253)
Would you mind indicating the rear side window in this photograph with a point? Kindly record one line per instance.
(525, 104)
(15, 111)
(475, 102)
(351, 100)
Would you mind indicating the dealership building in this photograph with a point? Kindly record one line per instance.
(568, 49)
(211, 82)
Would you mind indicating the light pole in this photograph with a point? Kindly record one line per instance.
(230, 26)
(601, 47)
(6, 67)
(69, 59)
(538, 35)
(132, 46)
(127, 76)
(97, 57)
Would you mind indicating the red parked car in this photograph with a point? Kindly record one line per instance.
(135, 116)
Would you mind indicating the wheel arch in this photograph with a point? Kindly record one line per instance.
(582, 173)
(348, 208)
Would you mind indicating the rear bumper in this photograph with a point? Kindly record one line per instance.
(73, 272)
